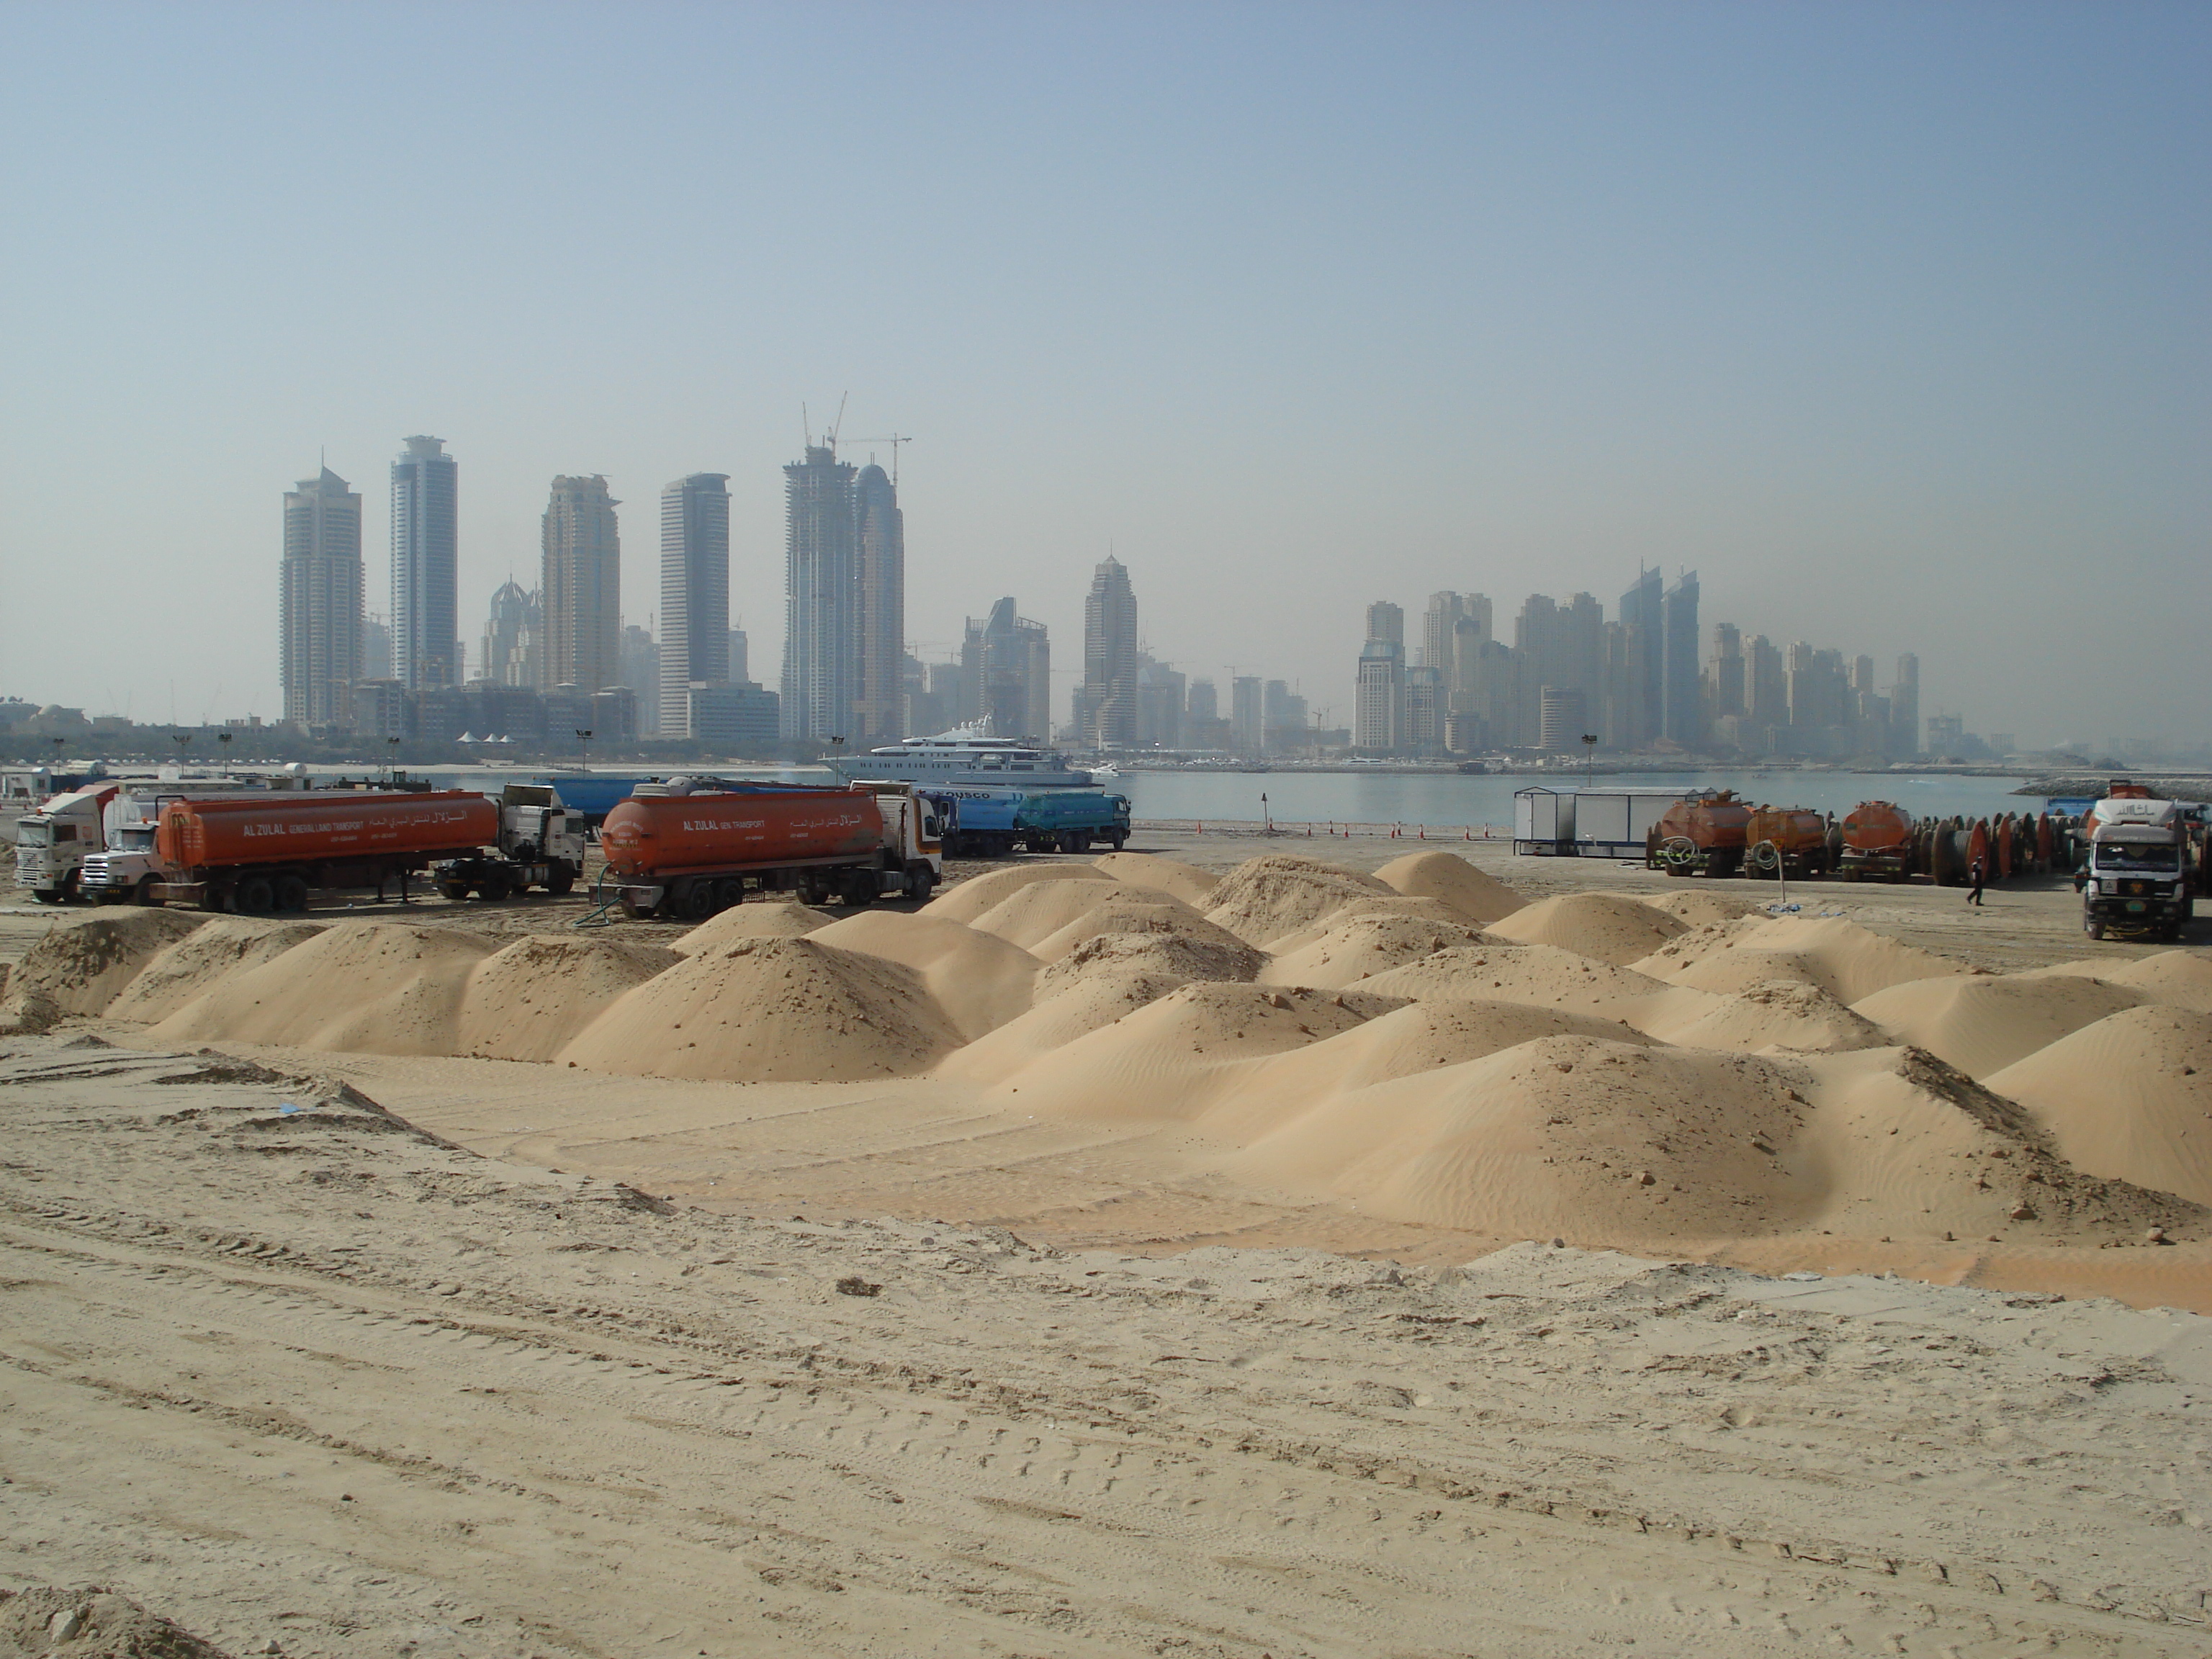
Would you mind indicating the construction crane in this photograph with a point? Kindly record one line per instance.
(893, 440)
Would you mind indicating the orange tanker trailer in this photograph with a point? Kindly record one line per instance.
(1702, 835)
(1798, 836)
(691, 855)
(1877, 842)
(255, 854)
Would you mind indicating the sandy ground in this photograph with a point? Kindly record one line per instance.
(408, 1354)
(314, 1377)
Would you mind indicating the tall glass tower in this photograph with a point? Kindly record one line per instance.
(322, 620)
(695, 593)
(426, 641)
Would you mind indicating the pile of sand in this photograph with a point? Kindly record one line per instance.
(82, 967)
(1179, 957)
(374, 987)
(762, 919)
(529, 1001)
(218, 947)
(1035, 911)
(92, 1624)
(966, 900)
(1408, 1041)
(2129, 1097)
(1698, 909)
(1064, 1011)
(978, 979)
(1137, 912)
(2180, 979)
(1469, 895)
(1601, 925)
(1981, 1023)
(1355, 944)
(1186, 881)
(1780, 1014)
(1165, 1060)
(1267, 898)
(771, 1009)
(1843, 958)
(1544, 976)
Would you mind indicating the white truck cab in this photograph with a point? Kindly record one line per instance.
(2137, 879)
(52, 843)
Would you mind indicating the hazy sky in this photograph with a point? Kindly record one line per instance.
(1891, 320)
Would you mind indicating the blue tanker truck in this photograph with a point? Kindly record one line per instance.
(984, 823)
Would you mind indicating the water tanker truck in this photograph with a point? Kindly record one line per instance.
(688, 856)
(982, 822)
(1877, 842)
(1788, 841)
(1701, 835)
(2137, 877)
(267, 853)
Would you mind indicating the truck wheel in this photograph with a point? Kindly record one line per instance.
(47, 894)
(254, 897)
(72, 887)
(728, 891)
(919, 885)
(493, 888)
(2093, 926)
(560, 881)
(143, 893)
(1117, 838)
(1075, 841)
(693, 903)
(859, 888)
(455, 890)
(291, 893)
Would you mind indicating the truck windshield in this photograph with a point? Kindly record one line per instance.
(34, 834)
(2120, 855)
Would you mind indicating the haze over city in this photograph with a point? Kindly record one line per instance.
(1888, 322)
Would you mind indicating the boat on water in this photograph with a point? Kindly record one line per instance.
(965, 755)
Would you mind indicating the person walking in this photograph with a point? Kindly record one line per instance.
(1975, 897)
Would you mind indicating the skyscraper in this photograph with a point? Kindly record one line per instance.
(1006, 665)
(512, 653)
(1378, 719)
(821, 599)
(1682, 706)
(426, 643)
(580, 597)
(1106, 702)
(879, 620)
(1904, 706)
(695, 593)
(321, 601)
(1642, 700)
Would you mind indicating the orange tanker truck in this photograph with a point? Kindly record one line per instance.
(690, 855)
(254, 854)
(1877, 842)
(1701, 835)
(1798, 836)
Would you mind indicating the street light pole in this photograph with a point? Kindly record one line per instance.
(1589, 757)
(583, 736)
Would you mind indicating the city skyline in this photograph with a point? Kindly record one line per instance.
(1884, 323)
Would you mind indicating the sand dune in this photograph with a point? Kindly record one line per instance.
(1266, 898)
(529, 1001)
(2129, 1097)
(1354, 944)
(1164, 1061)
(978, 979)
(2180, 979)
(1186, 881)
(1698, 909)
(1601, 925)
(1073, 1009)
(81, 970)
(1981, 1023)
(1843, 958)
(1471, 896)
(1780, 1014)
(760, 919)
(376, 988)
(966, 900)
(1138, 911)
(1180, 957)
(218, 947)
(771, 1009)
(1418, 1038)
(1035, 911)
(1544, 976)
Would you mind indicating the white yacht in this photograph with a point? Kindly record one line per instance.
(969, 756)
